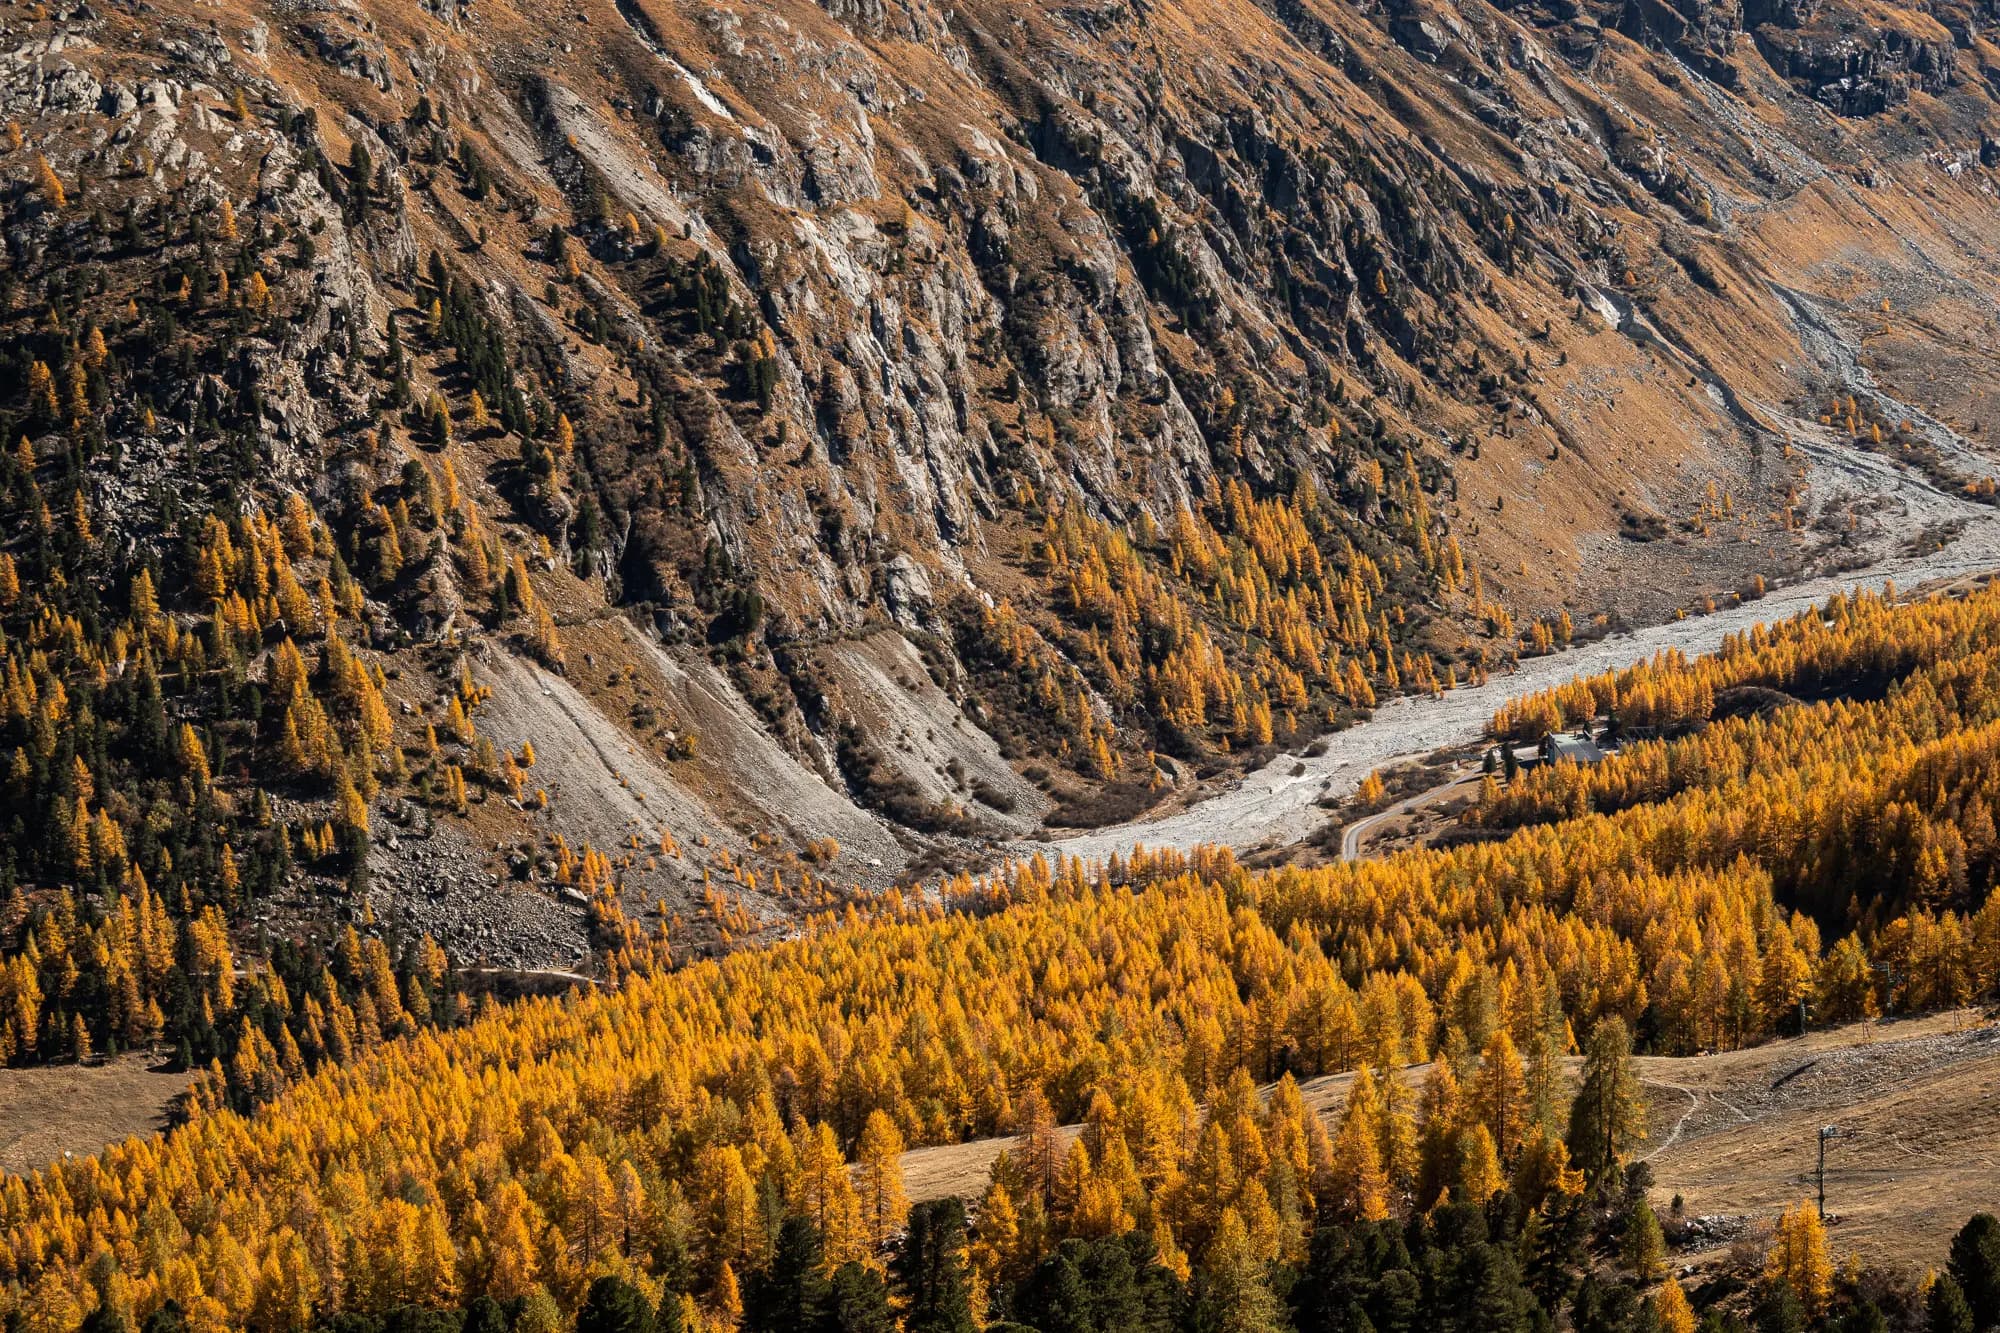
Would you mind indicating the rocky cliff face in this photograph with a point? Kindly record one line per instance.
(896, 423)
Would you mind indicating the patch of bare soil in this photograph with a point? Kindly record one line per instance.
(1735, 1135)
(1917, 1108)
(99, 1104)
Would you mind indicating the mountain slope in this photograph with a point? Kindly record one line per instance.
(835, 439)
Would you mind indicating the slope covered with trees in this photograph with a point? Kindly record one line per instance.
(662, 1132)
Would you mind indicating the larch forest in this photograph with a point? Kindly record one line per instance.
(871, 666)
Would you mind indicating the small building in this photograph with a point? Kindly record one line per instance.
(1575, 746)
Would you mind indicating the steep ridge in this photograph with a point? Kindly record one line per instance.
(837, 437)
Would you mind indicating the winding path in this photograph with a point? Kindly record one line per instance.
(1360, 830)
(1694, 1104)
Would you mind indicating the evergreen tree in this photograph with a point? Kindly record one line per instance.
(857, 1301)
(1334, 1284)
(791, 1292)
(1053, 1297)
(107, 1319)
(1866, 1317)
(1605, 1307)
(416, 1319)
(484, 1315)
(1608, 1115)
(1555, 1242)
(614, 1305)
(1946, 1308)
(1779, 1310)
(1644, 1248)
(1492, 1298)
(1162, 1298)
(1975, 1267)
(931, 1272)
(1396, 1304)
(1112, 1284)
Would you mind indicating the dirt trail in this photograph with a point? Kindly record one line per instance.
(1352, 837)
(559, 975)
(1915, 1100)
(1693, 1107)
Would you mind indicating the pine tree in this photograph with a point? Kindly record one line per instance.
(1779, 1309)
(1946, 1308)
(857, 1302)
(1975, 1267)
(931, 1272)
(791, 1292)
(614, 1305)
(1608, 1114)
(1644, 1249)
(485, 1315)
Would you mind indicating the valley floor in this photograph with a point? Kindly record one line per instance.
(1277, 805)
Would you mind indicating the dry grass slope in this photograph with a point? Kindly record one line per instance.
(1734, 1135)
(100, 1104)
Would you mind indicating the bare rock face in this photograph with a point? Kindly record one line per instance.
(1118, 376)
(1852, 63)
(1858, 62)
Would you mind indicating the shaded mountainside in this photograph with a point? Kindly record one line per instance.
(491, 458)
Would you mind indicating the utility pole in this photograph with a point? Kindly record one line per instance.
(1889, 997)
(1825, 1132)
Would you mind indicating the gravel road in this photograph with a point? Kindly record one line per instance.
(1275, 805)
(1354, 834)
